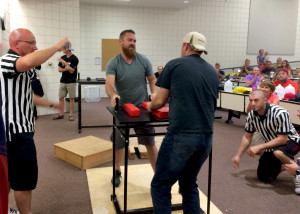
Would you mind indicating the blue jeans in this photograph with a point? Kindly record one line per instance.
(180, 157)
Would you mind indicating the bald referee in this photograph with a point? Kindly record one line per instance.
(17, 70)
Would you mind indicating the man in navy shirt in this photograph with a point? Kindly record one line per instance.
(192, 85)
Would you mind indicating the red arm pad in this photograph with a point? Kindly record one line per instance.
(162, 112)
(144, 104)
(132, 110)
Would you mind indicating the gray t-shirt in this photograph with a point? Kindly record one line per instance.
(130, 79)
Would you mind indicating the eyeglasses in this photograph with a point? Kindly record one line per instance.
(29, 42)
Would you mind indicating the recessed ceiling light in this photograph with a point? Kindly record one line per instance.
(186, 2)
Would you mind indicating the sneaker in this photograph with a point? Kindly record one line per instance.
(58, 117)
(71, 118)
(297, 184)
(117, 178)
(13, 211)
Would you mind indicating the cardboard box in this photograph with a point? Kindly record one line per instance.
(85, 152)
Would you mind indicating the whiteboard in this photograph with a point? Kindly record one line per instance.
(272, 26)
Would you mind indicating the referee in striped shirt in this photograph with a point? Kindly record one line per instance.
(16, 73)
(281, 138)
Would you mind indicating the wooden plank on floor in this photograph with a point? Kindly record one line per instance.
(131, 153)
(142, 152)
(133, 142)
(139, 179)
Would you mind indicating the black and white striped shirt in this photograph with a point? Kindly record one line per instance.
(275, 121)
(16, 96)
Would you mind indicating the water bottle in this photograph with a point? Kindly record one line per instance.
(228, 86)
(289, 89)
(279, 90)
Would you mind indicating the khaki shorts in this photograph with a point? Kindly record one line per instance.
(65, 88)
(257, 139)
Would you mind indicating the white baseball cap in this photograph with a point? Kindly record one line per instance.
(196, 40)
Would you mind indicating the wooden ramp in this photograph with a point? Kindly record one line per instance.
(139, 178)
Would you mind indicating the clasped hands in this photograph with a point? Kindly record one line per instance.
(254, 150)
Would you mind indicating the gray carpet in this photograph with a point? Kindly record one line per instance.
(63, 188)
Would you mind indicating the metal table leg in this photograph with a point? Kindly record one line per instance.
(126, 167)
(79, 108)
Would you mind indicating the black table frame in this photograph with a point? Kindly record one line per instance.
(86, 82)
(122, 121)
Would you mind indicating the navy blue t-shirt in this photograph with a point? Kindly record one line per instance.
(193, 85)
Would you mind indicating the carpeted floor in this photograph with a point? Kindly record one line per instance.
(63, 188)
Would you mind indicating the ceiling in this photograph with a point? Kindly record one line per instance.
(169, 4)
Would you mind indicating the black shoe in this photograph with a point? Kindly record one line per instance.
(117, 178)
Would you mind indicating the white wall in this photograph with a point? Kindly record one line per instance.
(50, 21)
(4, 7)
(285, 39)
(159, 32)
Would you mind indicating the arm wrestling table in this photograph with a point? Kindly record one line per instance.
(146, 119)
(86, 82)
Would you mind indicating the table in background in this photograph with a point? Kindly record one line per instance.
(292, 108)
(233, 102)
(122, 121)
(101, 81)
(239, 102)
(237, 82)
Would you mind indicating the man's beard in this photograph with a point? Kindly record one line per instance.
(282, 80)
(130, 53)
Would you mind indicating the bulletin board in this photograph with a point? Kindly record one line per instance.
(110, 48)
